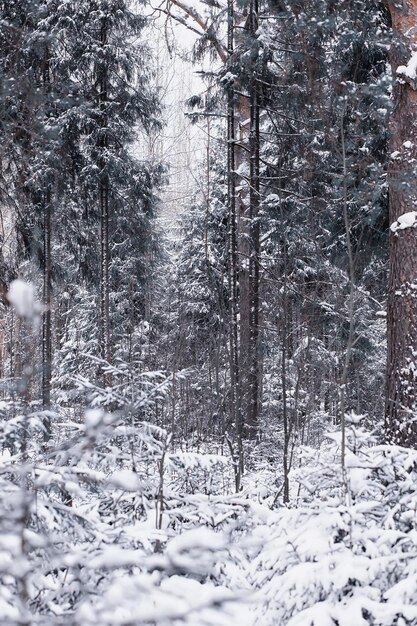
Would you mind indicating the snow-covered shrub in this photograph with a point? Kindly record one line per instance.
(347, 552)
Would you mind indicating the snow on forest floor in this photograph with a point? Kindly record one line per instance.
(106, 537)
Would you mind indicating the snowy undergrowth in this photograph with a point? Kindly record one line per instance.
(113, 527)
(346, 552)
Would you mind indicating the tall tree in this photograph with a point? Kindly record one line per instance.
(253, 404)
(31, 107)
(75, 95)
(232, 236)
(117, 106)
(401, 390)
(240, 75)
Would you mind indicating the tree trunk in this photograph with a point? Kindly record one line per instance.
(284, 358)
(235, 411)
(243, 205)
(46, 318)
(46, 205)
(104, 278)
(401, 385)
(104, 216)
(254, 352)
(247, 209)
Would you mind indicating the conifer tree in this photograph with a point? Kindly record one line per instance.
(109, 68)
(401, 398)
(77, 93)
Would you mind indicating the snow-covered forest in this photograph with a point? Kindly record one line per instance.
(208, 312)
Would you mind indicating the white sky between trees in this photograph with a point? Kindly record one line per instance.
(180, 145)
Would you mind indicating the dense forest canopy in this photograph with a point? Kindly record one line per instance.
(208, 320)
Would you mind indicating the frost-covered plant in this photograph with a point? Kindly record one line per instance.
(347, 552)
(82, 513)
(104, 522)
(80, 521)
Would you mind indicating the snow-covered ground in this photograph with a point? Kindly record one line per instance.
(114, 528)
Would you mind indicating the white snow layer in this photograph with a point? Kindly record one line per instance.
(409, 70)
(406, 220)
(22, 296)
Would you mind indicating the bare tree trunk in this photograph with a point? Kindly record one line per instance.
(104, 218)
(284, 364)
(242, 167)
(351, 309)
(401, 386)
(233, 260)
(46, 204)
(46, 317)
(104, 278)
(254, 195)
(247, 208)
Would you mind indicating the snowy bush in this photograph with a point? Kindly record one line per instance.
(346, 553)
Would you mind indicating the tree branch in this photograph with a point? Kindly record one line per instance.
(199, 20)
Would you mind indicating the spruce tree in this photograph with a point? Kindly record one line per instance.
(77, 95)
(110, 70)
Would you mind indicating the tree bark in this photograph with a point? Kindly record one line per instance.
(47, 301)
(104, 215)
(105, 274)
(46, 205)
(247, 209)
(254, 156)
(235, 411)
(401, 385)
